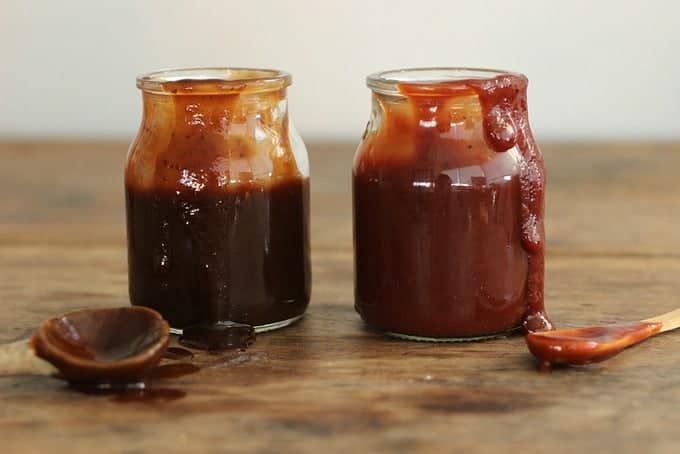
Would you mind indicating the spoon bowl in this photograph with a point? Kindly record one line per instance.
(94, 346)
(580, 346)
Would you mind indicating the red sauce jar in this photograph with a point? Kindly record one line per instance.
(448, 188)
(217, 193)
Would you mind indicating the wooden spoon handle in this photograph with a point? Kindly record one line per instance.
(669, 320)
(18, 358)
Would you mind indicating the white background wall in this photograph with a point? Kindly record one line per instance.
(598, 69)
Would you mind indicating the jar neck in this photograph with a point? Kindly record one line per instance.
(441, 118)
(216, 113)
(492, 111)
(425, 111)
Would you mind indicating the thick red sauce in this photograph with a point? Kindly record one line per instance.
(581, 346)
(436, 258)
(506, 124)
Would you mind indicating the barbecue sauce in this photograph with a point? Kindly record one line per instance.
(448, 209)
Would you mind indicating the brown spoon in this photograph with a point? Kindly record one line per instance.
(593, 344)
(92, 346)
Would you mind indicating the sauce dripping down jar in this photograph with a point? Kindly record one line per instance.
(448, 189)
(217, 192)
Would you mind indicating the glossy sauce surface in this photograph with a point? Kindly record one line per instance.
(236, 255)
(217, 209)
(92, 346)
(151, 389)
(448, 208)
(592, 344)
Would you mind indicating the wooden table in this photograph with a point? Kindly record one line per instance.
(328, 384)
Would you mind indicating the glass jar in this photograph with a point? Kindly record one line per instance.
(217, 191)
(448, 188)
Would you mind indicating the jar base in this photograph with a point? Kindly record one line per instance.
(410, 337)
(258, 328)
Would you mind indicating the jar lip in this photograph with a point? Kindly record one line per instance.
(213, 80)
(429, 78)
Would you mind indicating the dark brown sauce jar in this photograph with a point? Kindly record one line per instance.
(217, 191)
(448, 207)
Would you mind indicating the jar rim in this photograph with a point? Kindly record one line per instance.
(213, 80)
(430, 78)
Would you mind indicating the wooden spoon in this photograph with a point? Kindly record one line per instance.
(92, 346)
(592, 344)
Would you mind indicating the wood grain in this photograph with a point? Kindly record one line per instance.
(328, 384)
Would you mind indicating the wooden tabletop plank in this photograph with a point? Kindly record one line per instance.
(602, 198)
(328, 383)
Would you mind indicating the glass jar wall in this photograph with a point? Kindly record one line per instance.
(448, 190)
(217, 190)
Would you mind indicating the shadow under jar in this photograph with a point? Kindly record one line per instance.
(448, 188)
(217, 195)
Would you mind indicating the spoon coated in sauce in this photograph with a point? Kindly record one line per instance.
(580, 346)
(93, 346)
(593, 344)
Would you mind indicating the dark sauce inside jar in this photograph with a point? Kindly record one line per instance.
(428, 270)
(237, 255)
